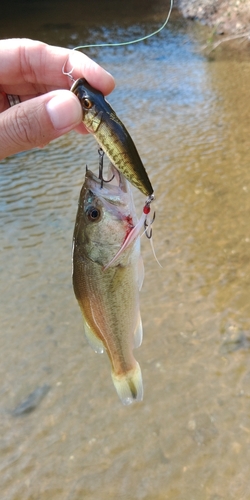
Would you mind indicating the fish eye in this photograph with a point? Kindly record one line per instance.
(93, 214)
(87, 103)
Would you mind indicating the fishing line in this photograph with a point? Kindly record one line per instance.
(118, 44)
(130, 42)
(69, 74)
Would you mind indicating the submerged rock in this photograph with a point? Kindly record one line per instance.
(32, 401)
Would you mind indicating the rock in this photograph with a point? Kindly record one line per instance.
(227, 16)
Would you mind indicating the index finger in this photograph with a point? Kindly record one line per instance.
(35, 67)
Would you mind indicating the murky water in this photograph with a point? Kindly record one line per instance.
(189, 439)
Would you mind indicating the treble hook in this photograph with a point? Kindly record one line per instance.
(146, 225)
(101, 156)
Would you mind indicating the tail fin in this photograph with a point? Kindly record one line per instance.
(129, 385)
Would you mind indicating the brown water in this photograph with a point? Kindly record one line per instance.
(189, 439)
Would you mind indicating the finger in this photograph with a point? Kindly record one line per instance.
(36, 122)
(96, 76)
(34, 67)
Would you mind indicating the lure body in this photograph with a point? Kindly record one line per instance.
(101, 120)
(109, 298)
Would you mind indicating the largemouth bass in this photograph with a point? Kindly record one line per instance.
(109, 298)
(101, 120)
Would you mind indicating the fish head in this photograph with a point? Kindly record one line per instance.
(105, 216)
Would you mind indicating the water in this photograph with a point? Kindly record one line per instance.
(189, 439)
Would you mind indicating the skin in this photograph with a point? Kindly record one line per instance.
(33, 71)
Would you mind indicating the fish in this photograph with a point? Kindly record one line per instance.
(101, 120)
(108, 291)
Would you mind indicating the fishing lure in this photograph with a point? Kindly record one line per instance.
(102, 122)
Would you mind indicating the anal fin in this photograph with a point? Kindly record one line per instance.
(138, 335)
(92, 339)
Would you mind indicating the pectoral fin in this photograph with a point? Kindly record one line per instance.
(140, 272)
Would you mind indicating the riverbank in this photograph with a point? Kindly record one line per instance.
(226, 17)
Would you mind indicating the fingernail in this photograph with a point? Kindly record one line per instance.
(64, 110)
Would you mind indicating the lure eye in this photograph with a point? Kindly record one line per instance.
(87, 103)
(93, 214)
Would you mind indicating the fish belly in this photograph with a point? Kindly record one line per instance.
(109, 301)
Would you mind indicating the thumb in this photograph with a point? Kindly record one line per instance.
(36, 122)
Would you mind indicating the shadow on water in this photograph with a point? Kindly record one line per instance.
(189, 117)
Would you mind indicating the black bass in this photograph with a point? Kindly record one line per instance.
(101, 120)
(108, 292)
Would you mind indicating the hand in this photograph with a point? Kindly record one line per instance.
(33, 71)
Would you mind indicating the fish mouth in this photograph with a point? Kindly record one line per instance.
(115, 182)
(114, 194)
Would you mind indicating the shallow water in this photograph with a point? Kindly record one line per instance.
(189, 439)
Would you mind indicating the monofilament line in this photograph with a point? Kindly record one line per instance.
(117, 44)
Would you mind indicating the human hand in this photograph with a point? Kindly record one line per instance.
(33, 71)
